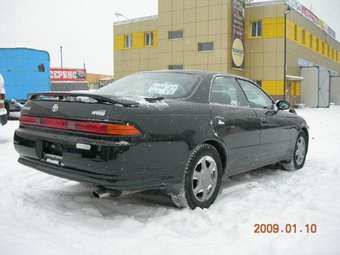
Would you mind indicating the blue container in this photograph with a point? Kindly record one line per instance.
(25, 71)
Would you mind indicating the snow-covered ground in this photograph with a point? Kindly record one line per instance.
(42, 214)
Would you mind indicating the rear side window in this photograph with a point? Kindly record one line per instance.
(256, 97)
(226, 91)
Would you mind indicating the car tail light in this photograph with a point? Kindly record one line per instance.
(82, 126)
(123, 130)
(108, 129)
(28, 120)
(54, 123)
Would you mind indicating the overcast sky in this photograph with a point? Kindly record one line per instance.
(84, 27)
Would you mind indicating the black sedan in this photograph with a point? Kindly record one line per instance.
(179, 132)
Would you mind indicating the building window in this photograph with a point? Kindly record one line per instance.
(175, 34)
(148, 39)
(334, 55)
(311, 41)
(256, 28)
(328, 51)
(206, 46)
(295, 32)
(323, 48)
(175, 67)
(317, 45)
(128, 41)
(303, 36)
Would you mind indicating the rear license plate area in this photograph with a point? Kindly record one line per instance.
(52, 153)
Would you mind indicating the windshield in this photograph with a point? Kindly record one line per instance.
(152, 85)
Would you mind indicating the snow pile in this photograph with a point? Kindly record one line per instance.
(42, 214)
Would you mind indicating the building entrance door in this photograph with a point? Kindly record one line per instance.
(335, 89)
(324, 88)
(289, 95)
(293, 89)
(315, 88)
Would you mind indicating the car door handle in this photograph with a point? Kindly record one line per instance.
(219, 121)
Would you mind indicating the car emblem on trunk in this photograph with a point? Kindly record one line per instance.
(55, 108)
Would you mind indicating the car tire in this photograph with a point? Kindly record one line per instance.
(299, 156)
(202, 179)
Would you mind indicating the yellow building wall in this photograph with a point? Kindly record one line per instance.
(295, 88)
(273, 87)
(119, 42)
(265, 53)
(210, 21)
(138, 40)
(276, 88)
(273, 27)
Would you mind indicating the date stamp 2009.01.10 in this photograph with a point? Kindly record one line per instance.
(285, 228)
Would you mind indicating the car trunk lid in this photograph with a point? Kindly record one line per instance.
(82, 112)
(78, 106)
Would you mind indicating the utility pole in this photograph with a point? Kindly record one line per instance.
(286, 12)
(61, 56)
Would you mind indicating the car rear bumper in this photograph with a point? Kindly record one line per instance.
(107, 181)
(118, 165)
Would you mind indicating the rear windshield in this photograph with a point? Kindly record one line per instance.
(150, 85)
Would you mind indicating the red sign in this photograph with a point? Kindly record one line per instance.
(67, 74)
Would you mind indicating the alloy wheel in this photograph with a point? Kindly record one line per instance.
(204, 178)
(300, 151)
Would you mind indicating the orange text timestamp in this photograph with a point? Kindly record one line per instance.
(285, 228)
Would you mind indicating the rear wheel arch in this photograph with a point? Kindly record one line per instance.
(222, 151)
(297, 159)
(304, 129)
(184, 195)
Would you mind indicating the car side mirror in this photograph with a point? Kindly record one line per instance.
(282, 105)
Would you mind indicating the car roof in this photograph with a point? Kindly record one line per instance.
(197, 72)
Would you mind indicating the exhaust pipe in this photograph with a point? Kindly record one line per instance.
(104, 193)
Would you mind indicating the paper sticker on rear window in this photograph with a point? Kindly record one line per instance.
(166, 89)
